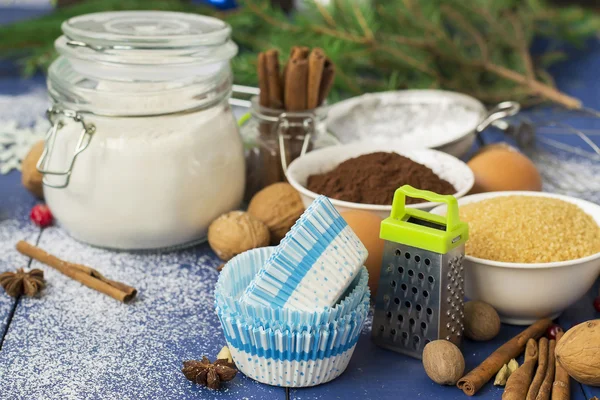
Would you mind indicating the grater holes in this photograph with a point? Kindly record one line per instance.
(430, 279)
(393, 283)
(425, 293)
(407, 304)
(400, 318)
(407, 256)
(429, 311)
(416, 340)
(398, 252)
(418, 307)
(411, 322)
(411, 273)
(393, 332)
(389, 314)
(403, 286)
(423, 325)
(405, 335)
(417, 259)
(415, 290)
(381, 328)
(427, 261)
(397, 300)
(421, 276)
(400, 270)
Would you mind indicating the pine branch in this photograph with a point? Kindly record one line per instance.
(473, 47)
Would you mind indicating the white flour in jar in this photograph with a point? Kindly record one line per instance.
(149, 182)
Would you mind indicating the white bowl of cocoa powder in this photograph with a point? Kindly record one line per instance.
(364, 176)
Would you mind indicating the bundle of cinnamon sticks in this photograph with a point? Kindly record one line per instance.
(548, 381)
(303, 84)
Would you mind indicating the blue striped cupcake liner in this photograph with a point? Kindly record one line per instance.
(313, 265)
(292, 359)
(239, 272)
(283, 326)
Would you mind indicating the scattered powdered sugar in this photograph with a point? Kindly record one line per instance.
(22, 124)
(567, 173)
(27, 107)
(10, 259)
(72, 342)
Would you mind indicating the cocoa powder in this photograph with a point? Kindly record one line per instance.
(373, 179)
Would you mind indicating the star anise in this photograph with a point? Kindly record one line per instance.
(209, 374)
(21, 282)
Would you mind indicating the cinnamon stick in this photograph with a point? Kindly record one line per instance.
(479, 376)
(540, 374)
(518, 383)
(561, 387)
(81, 273)
(297, 52)
(326, 81)
(295, 85)
(263, 81)
(546, 388)
(316, 65)
(274, 79)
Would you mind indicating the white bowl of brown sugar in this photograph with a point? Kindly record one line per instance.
(530, 255)
(364, 176)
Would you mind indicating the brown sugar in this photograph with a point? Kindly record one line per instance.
(529, 229)
(373, 179)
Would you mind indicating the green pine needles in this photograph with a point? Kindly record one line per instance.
(478, 47)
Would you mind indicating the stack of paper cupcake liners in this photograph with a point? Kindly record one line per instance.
(286, 346)
(313, 265)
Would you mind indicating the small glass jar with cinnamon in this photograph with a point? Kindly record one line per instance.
(274, 138)
(287, 119)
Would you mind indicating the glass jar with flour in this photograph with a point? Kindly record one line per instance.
(144, 151)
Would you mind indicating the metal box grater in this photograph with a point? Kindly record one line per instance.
(421, 288)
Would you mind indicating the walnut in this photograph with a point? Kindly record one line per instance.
(30, 176)
(235, 232)
(278, 206)
(578, 352)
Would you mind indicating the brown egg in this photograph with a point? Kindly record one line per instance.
(366, 226)
(501, 167)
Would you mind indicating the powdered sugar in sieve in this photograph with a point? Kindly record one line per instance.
(418, 118)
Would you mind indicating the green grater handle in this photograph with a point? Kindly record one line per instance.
(398, 205)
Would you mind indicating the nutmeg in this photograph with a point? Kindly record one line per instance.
(443, 362)
(481, 321)
(235, 232)
(279, 206)
(31, 178)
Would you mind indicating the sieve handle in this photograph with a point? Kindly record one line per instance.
(398, 205)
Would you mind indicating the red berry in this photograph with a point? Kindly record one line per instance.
(41, 216)
(552, 331)
(597, 303)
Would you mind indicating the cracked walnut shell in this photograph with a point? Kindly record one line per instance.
(279, 206)
(235, 232)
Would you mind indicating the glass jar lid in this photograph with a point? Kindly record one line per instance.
(146, 29)
(146, 45)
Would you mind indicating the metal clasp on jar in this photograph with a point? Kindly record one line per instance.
(56, 115)
(306, 121)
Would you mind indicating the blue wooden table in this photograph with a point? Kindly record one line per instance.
(74, 343)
